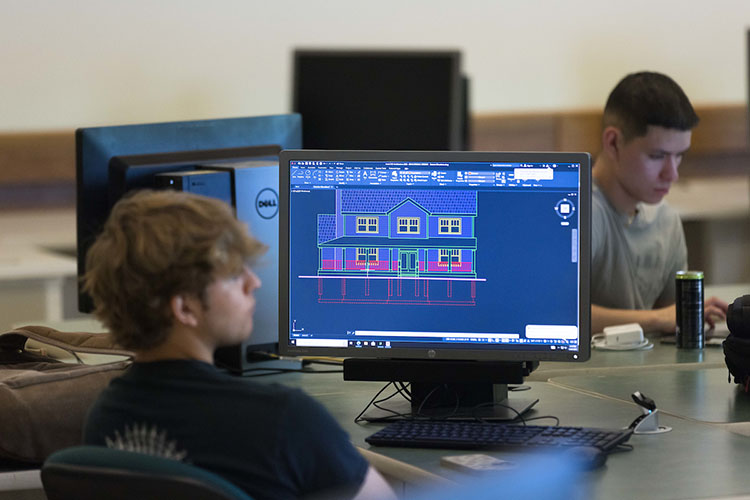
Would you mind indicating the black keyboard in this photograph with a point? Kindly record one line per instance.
(475, 435)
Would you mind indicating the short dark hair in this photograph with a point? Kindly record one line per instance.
(154, 245)
(648, 98)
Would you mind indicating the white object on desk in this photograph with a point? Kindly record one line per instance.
(626, 337)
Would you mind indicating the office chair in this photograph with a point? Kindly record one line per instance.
(96, 472)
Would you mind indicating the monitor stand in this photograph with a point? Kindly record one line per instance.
(467, 401)
(452, 389)
(242, 359)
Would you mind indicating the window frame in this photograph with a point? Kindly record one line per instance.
(408, 224)
(369, 222)
(446, 225)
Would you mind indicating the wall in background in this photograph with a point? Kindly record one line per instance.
(69, 63)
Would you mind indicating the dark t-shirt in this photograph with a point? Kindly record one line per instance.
(270, 440)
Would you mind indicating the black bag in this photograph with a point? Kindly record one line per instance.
(48, 381)
(737, 344)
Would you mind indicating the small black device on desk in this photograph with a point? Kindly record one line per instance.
(493, 435)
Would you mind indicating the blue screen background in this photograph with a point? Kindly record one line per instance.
(523, 252)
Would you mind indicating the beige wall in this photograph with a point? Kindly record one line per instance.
(69, 63)
(73, 63)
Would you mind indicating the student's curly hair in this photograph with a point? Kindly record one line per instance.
(647, 98)
(155, 245)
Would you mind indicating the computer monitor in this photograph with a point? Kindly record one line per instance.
(379, 99)
(116, 159)
(459, 268)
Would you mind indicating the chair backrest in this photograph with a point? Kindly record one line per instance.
(96, 472)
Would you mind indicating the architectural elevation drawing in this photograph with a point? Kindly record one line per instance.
(401, 246)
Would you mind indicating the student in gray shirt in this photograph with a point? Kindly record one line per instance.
(637, 239)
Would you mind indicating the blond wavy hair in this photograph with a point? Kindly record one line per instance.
(155, 245)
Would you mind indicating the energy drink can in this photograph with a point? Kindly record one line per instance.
(689, 305)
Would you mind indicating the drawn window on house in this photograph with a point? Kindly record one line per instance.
(407, 225)
(449, 256)
(367, 254)
(367, 224)
(449, 226)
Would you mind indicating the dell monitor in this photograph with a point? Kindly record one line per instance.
(359, 99)
(224, 158)
(443, 269)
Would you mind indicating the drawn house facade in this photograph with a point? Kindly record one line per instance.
(401, 233)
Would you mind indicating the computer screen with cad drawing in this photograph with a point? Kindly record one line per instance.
(436, 255)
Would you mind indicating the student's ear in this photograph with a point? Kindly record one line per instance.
(185, 309)
(611, 140)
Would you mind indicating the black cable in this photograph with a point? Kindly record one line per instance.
(395, 415)
(439, 417)
(400, 389)
(621, 448)
(557, 420)
(359, 418)
(394, 394)
(405, 390)
(518, 416)
(518, 388)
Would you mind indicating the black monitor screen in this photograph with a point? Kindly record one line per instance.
(380, 100)
(435, 255)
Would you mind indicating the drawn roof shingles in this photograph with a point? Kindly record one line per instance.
(326, 227)
(381, 201)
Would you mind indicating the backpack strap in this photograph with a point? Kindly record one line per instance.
(47, 341)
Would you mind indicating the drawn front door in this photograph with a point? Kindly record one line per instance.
(407, 262)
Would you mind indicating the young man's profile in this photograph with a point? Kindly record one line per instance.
(170, 277)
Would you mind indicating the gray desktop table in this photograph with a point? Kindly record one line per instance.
(660, 357)
(704, 395)
(694, 460)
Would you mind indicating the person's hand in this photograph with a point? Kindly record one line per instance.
(714, 309)
(664, 319)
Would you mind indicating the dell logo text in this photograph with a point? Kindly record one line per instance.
(267, 203)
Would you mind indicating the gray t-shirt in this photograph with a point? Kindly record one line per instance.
(633, 263)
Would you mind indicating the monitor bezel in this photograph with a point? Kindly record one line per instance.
(584, 159)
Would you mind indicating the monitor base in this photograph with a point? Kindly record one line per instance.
(449, 389)
(467, 402)
(504, 410)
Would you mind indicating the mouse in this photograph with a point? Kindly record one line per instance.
(588, 457)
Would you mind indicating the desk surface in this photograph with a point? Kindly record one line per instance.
(703, 395)
(660, 357)
(694, 460)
